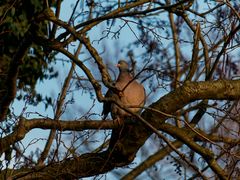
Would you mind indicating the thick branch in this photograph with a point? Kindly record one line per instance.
(151, 160)
(135, 135)
(192, 91)
(26, 125)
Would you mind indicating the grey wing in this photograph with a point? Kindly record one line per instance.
(106, 106)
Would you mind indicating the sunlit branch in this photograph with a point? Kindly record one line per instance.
(151, 160)
(46, 123)
(170, 103)
(59, 107)
(203, 41)
(119, 13)
(195, 52)
(187, 138)
(229, 37)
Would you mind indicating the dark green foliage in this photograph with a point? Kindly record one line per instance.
(15, 20)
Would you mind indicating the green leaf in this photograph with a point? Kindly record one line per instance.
(13, 11)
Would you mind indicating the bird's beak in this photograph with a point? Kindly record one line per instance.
(117, 65)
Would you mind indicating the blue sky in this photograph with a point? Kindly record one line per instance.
(52, 87)
(83, 102)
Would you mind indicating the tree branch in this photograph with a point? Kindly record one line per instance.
(46, 123)
(151, 160)
(135, 135)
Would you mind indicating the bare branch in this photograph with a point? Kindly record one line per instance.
(170, 103)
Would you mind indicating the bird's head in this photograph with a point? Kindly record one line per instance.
(123, 66)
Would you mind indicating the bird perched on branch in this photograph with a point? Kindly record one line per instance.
(129, 93)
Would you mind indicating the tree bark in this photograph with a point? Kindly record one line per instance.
(135, 135)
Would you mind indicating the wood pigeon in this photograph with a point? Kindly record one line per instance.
(131, 94)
